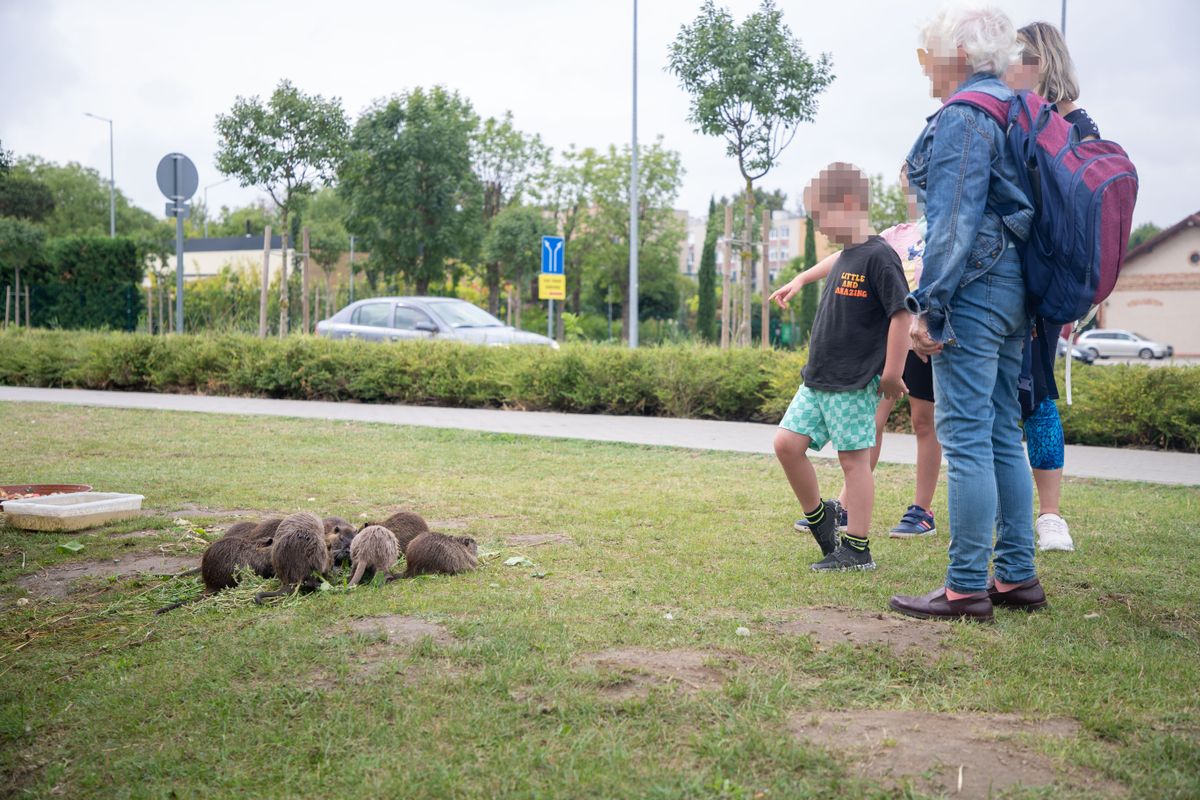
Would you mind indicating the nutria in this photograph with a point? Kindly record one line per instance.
(373, 550)
(339, 533)
(300, 549)
(406, 525)
(223, 559)
(263, 531)
(436, 552)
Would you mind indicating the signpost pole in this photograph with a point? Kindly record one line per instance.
(178, 254)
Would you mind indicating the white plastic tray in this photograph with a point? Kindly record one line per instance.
(71, 512)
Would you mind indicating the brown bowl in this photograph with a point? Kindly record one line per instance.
(27, 490)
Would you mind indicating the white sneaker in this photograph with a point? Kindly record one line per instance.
(1053, 533)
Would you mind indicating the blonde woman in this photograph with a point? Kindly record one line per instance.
(1045, 67)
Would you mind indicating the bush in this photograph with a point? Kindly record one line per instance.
(88, 282)
(1117, 406)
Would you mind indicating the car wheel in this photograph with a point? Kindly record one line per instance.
(1145, 352)
(1093, 352)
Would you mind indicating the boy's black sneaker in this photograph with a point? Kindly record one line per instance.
(845, 558)
(802, 524)
(825, 531)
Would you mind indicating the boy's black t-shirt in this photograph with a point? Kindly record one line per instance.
(849, 336)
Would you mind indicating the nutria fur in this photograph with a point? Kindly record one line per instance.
(223, 559)
(339, 533)
(372, 551)
(262, 532)
(406, 525)
(438, 553)
(300, 549)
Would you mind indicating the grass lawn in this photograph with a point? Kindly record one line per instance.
(620, 672)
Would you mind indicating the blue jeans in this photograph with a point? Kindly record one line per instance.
(978, 423)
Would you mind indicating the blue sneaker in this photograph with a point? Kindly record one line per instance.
(915, 522)
(802, 524)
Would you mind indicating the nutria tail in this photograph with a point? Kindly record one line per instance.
(174, 606)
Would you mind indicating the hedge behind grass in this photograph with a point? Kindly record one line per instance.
(1132, 405)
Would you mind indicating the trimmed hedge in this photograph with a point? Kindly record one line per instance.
(1133, 405)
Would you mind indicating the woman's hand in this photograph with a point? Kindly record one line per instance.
(922, 343)
(784, 293)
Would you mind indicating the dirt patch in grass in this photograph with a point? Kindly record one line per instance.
(193, 509)
(538, 539)
(59, 580)
(146, 534)
(933, 752)
(637, 670)
(829, 626)
(396, 633)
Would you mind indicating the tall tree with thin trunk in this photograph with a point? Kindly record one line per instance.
(285, 147)
(706, 309)
(753, 85)
(810, 294)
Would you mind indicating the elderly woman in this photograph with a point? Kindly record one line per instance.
(971, 319)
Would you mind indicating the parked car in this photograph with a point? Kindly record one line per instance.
(1079, 355)
(394, 319)
(1123, 344)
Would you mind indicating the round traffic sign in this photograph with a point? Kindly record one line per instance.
(177, 177)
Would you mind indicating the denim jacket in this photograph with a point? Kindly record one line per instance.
(967, 181)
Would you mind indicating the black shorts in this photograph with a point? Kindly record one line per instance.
(918, 377)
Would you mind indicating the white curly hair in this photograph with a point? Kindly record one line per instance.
(984, 32)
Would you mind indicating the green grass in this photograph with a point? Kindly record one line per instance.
(100, 698)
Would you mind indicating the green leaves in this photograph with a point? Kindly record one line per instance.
(751, 84)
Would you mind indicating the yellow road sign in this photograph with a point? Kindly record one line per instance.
(552, 287)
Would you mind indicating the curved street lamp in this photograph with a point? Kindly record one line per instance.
(112, 186)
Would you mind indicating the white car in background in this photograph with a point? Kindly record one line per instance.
(1108, 343)
(396, 319)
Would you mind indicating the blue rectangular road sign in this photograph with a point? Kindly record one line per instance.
(552, 255)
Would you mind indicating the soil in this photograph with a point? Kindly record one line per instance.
(538, 539)
(929, 751)
(829, 626)
(59, 580)
(641, 669)
(380, 657)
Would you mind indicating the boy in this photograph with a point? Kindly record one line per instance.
(857, 351)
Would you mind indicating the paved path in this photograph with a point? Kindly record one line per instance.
(745, 437)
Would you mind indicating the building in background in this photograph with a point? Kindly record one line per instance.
(786, 242)
(693, 242)
(1158, 292)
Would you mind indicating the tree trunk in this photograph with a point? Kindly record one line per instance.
(266, 284)
(283, 284)
(304, 315)
(17, 315)
(747, 266)
(764, 281)
(726, 269)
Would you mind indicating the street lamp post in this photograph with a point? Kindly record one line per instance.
(633, 205)
(206, 213)
(112, 185)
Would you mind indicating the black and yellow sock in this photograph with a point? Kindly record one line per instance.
(855, 542)
(815, 517)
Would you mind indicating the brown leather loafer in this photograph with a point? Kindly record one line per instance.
(1027, 596)
(935, 605)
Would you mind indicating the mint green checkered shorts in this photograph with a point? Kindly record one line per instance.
(845, 418)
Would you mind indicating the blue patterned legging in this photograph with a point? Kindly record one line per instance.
(1044, 436)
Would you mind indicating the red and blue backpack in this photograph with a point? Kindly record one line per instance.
(1083, 193)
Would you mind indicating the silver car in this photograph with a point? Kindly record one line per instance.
(395, 319)
(1122, 344)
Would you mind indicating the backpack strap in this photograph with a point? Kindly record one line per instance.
(994, 107)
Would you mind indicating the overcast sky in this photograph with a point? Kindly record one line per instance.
(164, 70)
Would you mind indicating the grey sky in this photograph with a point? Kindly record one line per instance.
(563, 68)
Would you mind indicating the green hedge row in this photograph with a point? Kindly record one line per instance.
(1131, 405)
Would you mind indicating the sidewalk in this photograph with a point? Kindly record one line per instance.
(744, 437)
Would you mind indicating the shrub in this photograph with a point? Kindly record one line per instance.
(1132, 405)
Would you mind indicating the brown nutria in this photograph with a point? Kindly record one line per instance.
(243, 529)
(299, 549)
(406, 525)
(373, 550)
(433, 552)
(223, 559)
(339, 532)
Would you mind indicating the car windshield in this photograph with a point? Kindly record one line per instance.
(1143, 338)
(461, 314)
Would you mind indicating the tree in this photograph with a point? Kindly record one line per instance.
(509, 164)
(249, 220)
(888, 204)
(25, 197)
(751, 84)
(514, 243)
(706, 311)
(571, 184)
(80, 200)
(1143, 233)
(810, 295)
(409, 186)
(21, 243)
(604, 245)
(284, 147)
